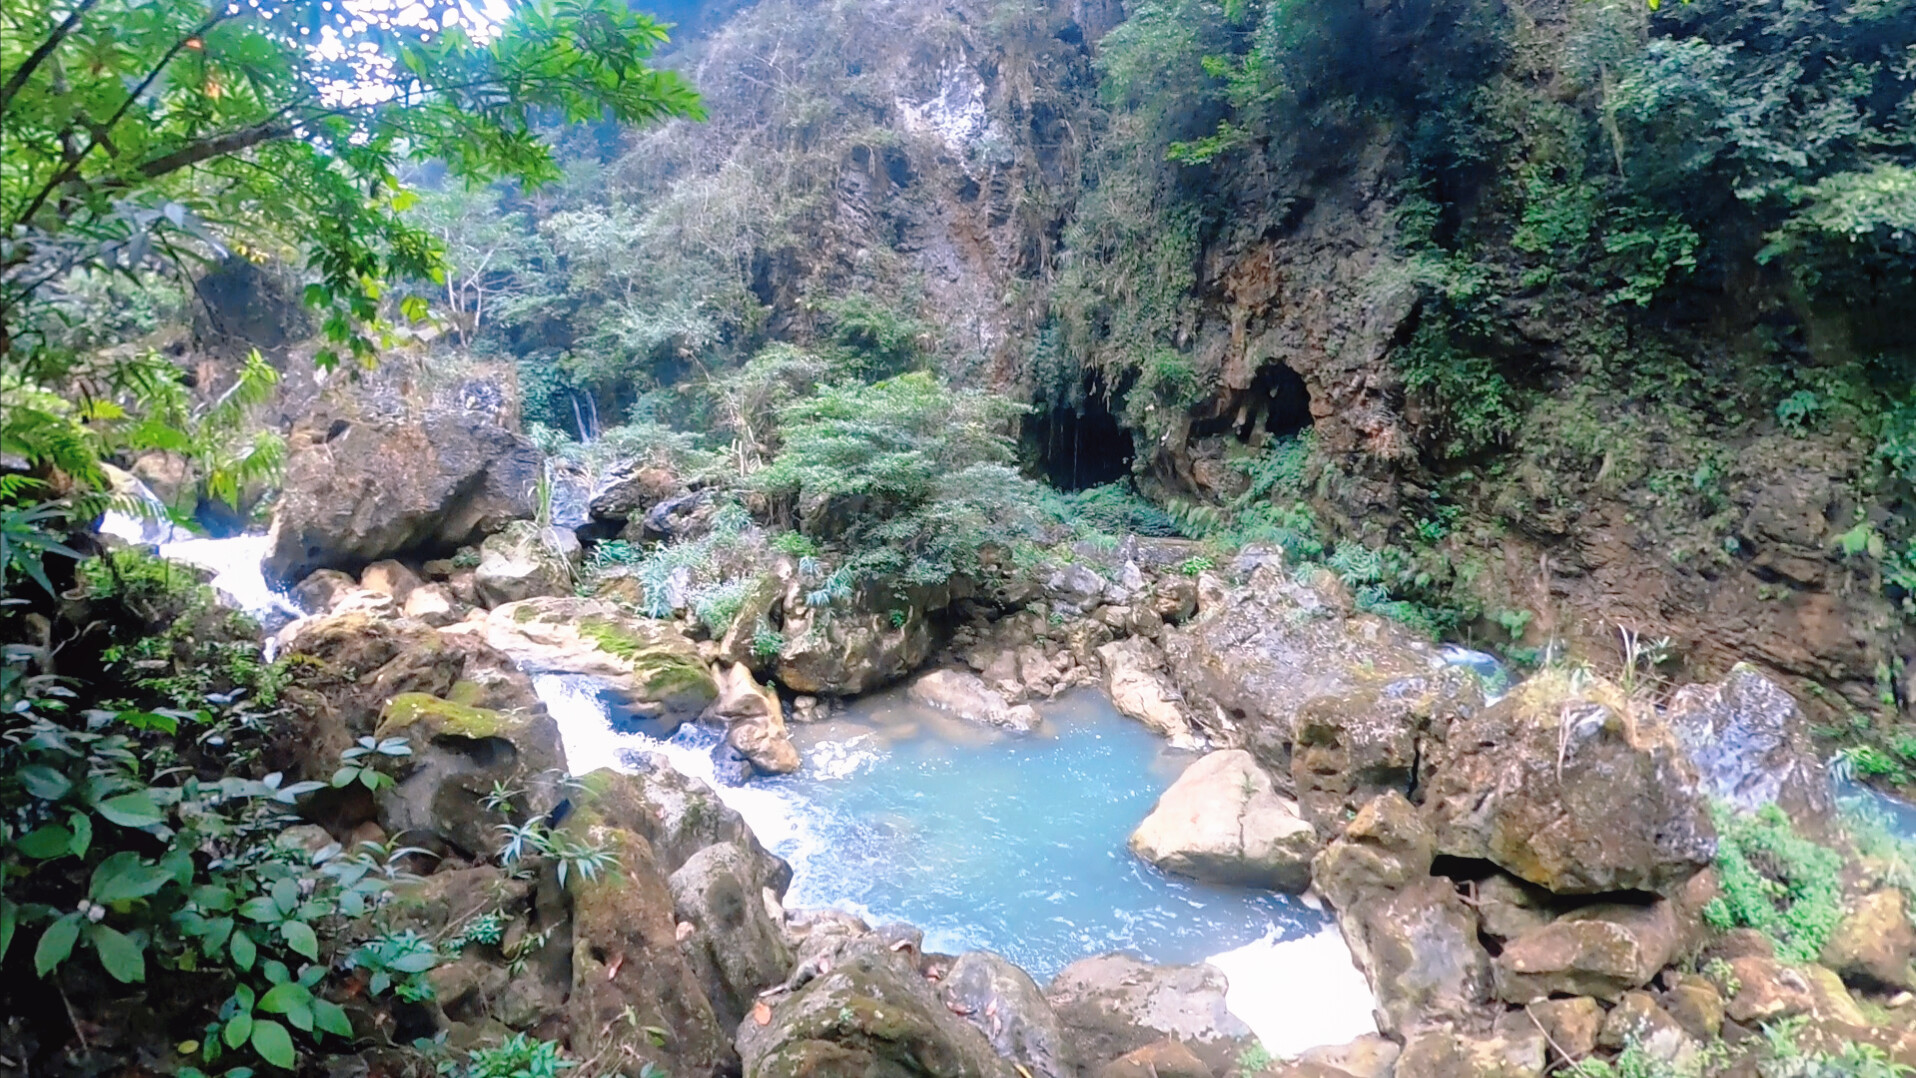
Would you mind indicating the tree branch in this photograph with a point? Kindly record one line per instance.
(217, 146)
(39, 56)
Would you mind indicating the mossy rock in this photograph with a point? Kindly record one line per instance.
(459, 754)
(656, 670)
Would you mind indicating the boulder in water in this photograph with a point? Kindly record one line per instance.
(1135, 681)
(754, 720)
(965, 694)
(851, 651)
(1223, 821)
(1570, 785)
(362, 488)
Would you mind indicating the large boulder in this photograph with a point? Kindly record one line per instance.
(655, 670)
(362, 488)
(1350, 745)
(460, 755)
(1569, 784)
(1418, 947)
(754, 720)
(735, 948)
(864, 1011)
(678, 816)
(1516, 1049)
(635, 995)
(1223, 821)
(1135, 681)
(1751, 745)
(1602, 951)
(1004, 1002)
(1874, 946)
(849, 652)
(1385, 847)
(965, 694)
(1257, 653)
(1113, 1004)
(628, 491)
(525, 561)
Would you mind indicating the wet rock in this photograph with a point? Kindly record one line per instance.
(850, 652)
(1135, 681)
(1751, 746)
(735, 948)
(1418, 947)
(1256, 654)
(656, 672)
(391, 579)
(754, 721)
(1004, 1002)
(1223, 821)
(1570, 786)
(1351, 745)
(525, 561)
(1513, 1051)
(460, 754)
(1384, 848)
(1570, 1025)
(1167, 1058)
(630, 981)
(1114, 1004)
(866, 1012)
(1874, 945)
(1602, 951)
(966, 695)
(362, 488)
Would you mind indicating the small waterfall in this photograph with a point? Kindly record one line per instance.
(234, 562)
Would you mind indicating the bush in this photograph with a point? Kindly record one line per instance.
(1777, 882)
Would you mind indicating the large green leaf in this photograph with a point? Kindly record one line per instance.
(135, 810)
(123, 958)
(46, 843)
(273, 1043)
(299, 936)
(56, 943)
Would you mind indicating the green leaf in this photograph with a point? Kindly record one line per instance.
(135, 810)
(331, 1018)
(273, 1043)
(44, 782)
(299, 936)
(124, 959)
(212, 898)
(259, 908)
(56, 943)
(82, 825)
(285, 896)
(283, 997)
(46, 843)
(9, 920)
(243, 950)
(238, 1029)
(123, 878)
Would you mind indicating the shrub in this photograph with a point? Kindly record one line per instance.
(1777, 882)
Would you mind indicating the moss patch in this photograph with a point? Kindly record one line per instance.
(663, 670)
(409, 709)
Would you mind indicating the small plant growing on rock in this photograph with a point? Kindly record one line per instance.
(1195, 565)
(518, 1056)
(361, 763)
(574, 856)
(767, 642)
(1255, 1059)
(1777, 882)
(796, 544)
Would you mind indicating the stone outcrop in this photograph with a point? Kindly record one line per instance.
(658, 674)
(1874, 945)
(1135, 681)
(360, 488)
(1600, 951)
(1114, 1004)
(1223, 821)
(1569, 785)
(850, 652)
(525, 561)
(1350, 745)
(459, 755)
(1385, 847)
(1009, 1007)
(864, 1010)
(1418, 947)
(735, 948)
(1514, 1050)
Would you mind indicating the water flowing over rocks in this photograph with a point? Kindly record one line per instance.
(655, 669)
(360, 488)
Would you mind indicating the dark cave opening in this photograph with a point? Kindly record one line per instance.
(1277, 405)
(1080, 444)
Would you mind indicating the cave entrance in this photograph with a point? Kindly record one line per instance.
(1277, 405)
(1081, 444)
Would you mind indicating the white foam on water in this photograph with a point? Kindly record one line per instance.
(235, 564)
(1300, 993)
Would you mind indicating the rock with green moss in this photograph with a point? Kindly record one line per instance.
(653, 667)
(1572, 785)
(461, 755)
(868, 1013)
(634, 997)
